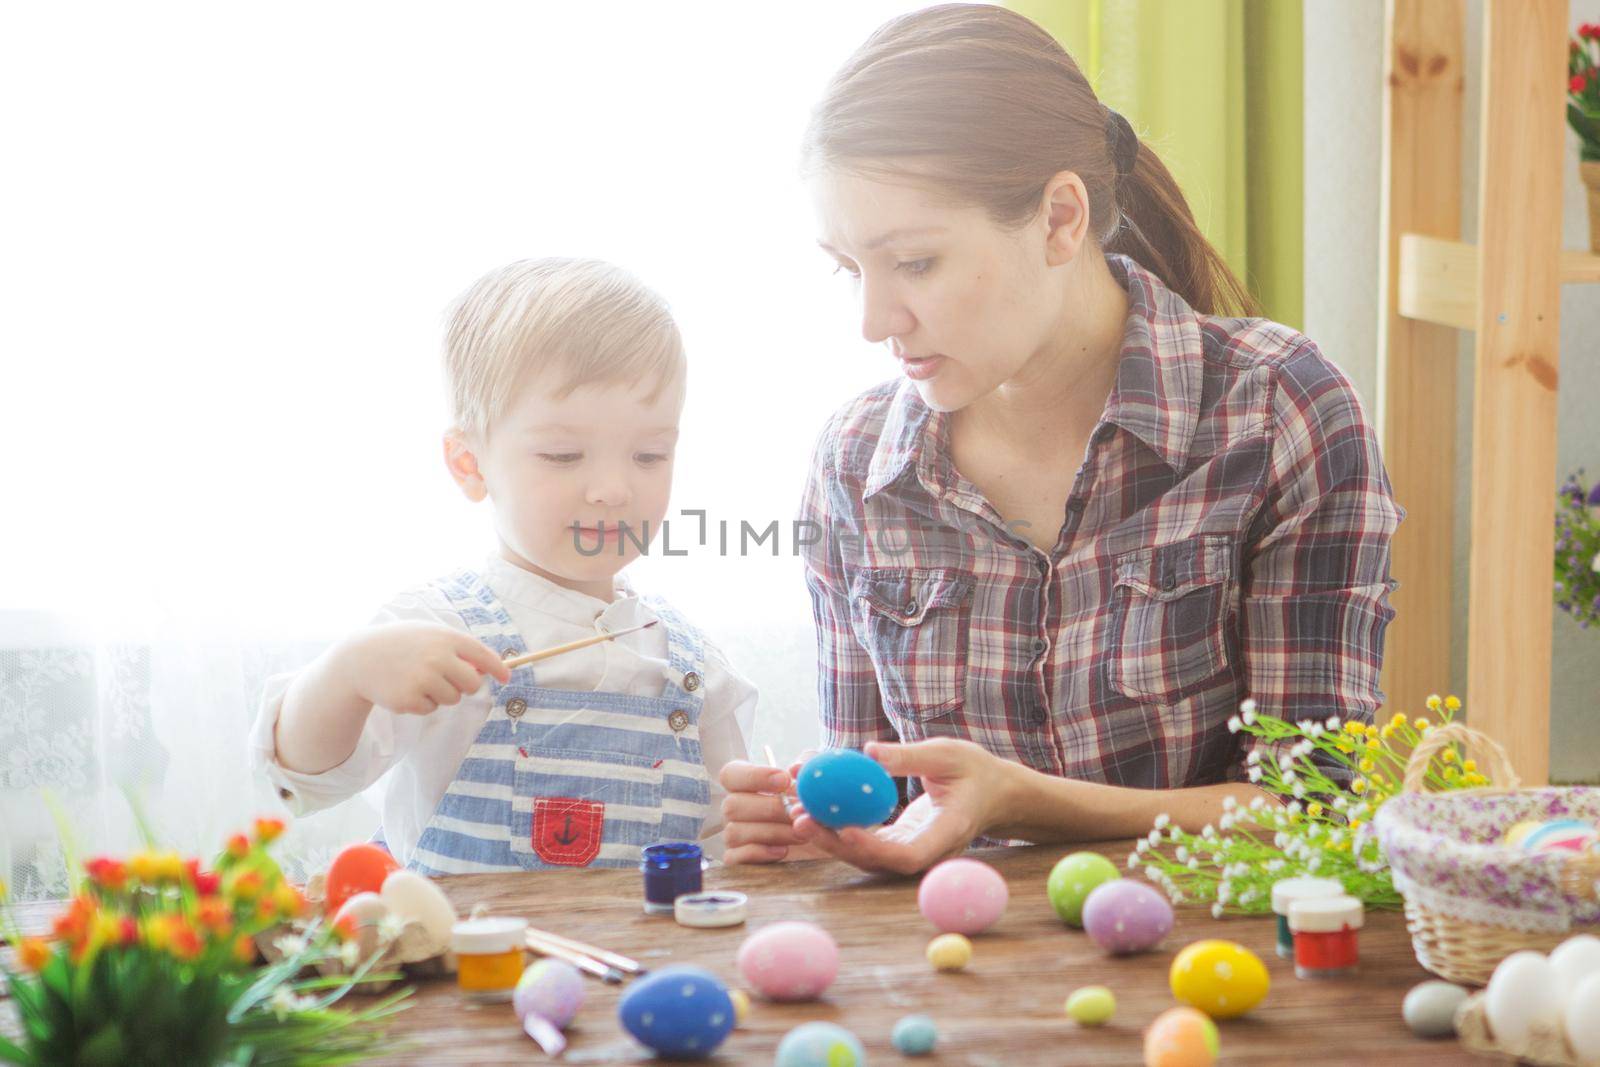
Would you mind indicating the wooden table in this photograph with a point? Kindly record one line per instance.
(1005, 1009)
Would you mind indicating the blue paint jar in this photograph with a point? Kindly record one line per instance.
(671, 869)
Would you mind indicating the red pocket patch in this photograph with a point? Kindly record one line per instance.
(566, 831)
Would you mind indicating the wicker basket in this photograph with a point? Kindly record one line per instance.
(1470, 900)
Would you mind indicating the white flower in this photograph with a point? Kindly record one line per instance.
(1257, 803)
(1194, 863)
(1294, 807)
(1234, 724)
(1154, 837)
(1141, 846)
(1224, 891)
(1253, 758)
(1176, 896)
(283, 1002)
(1162, 820)
(1174, 834)
(1133, 860)
(1338, 803)
(1289, 775)
(350, 954)
(1151, 873)
(1182, 854)
(1229, 803)
(1333, 722)
(1281, 840)
(1247, 711)
(1305, 725)
(1208, 832)
(1300, 789)
(1216, 911)
(1595, 566)
(290, 944)
(1255, 774)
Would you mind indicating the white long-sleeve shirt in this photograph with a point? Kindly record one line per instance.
(407, 761)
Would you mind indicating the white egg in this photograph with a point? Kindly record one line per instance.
(1575, 959)
(1582, 1020)
(1523, 993)
(411, 897)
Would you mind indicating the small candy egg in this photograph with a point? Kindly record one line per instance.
(949, 952)
(1581, 1019)
(915, 1035)
(678, 1011)
(551, 989)
(1575, 959)
(1221, 978)
(1430, 1008)
(1071, 881)
(1093, 1005)
(789, 961)
(842, 787)
(1523, 993)
(820, 1045)
(1123, 916)
(357, 869)
(1181, 1037)
(411, 897)
(741, 1005)
(963, 896)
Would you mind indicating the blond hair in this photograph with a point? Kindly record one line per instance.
(982, 104)
(573, 322)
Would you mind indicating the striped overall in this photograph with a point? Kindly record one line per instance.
(557, 778)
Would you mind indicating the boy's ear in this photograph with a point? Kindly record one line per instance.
(462, 462)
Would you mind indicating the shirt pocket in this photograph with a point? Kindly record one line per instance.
(568, 804)
(1169, 618)
(914, 624)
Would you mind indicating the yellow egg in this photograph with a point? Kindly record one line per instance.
(1514, 836)
(1220, 978)
(949, 952)
(1181, 1037)
(741, 1005)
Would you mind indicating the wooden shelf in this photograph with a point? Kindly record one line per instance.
(1439, 279)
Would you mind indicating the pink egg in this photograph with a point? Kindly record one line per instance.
(789, 961)
(1123, 916)
(963, 896)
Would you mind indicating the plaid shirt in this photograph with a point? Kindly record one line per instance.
(1227, 536)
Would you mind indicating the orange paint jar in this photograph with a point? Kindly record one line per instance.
(489, 956)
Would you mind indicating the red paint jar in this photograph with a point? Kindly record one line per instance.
(1325, 936)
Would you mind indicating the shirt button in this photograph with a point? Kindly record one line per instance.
(1039, 645)
(1169, 581)
(911, 607)
(515, 707)
(679, 721)
(691, 682)
(1037, 716)
(1076, 505)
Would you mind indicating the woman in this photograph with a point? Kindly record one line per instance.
(1095, 514)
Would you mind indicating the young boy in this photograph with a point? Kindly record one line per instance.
(567, 381)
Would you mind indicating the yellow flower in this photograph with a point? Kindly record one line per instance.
(1434, 703)
(1387, 732)
(1354, 728)
(169, 867)
(1452, 704)
(1399, 719)
(1314, 809)
(1377, 777)
(1355, 824)
(1447, 756)
(1344, 746)
(1358, 786)
(1372, 732)
(1451, 774)
(3, 889)
(1469, 765)
(145, 866)
(1365, 766)
(1374, 744)
(1420, 723)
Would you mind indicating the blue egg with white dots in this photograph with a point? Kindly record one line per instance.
(684, 1012)
(915, 1035)
(820, 1045)
(842, 787)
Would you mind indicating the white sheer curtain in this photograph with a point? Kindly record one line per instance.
(228, 242)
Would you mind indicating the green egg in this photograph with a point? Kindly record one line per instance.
(1092, 1005)
(1071, 881)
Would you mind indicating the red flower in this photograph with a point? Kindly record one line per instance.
(106, 872)
(238, 846)
(186, 943)
(191, 870)
(1577, 83)
(268, 830)
(34, 953)
(130, 931)
(206, 883)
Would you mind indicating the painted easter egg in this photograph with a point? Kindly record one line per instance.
(841, 787)
(356, 869)
(914, 1035)
(1071, 881)
(949, 952)
(677, 1011)
(551, 989)
(820, 1045)
(1560, 835)
(789, 961)
(1221, 978)
(1093, 1005)
(1123, 916)
(1181, 1037)
(963, 896)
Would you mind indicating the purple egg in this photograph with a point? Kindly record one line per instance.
(1124, 916)
(551, 989)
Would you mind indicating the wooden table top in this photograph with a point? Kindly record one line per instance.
(1006, 1008)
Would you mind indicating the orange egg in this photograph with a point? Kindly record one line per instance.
(357, 869)
(1181, 1037)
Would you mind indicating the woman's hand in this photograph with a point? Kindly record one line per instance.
(757, 827)
(965, 792)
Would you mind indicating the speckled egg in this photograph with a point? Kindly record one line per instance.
(1181, 1037)
(789, 961)
(551, 989)
(1072, 880)
(949, 952)
(842, 787)
(1093, 1005)
(678, 1011)
(915, 1035)
(1221, 978)
(820, 1045)
(963, 896)
(1123, 916)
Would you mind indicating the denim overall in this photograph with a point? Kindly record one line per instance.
(543, 787)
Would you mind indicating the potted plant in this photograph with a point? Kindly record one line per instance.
(1583, 115)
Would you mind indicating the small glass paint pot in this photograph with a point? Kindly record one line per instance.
(1288, 890)
(1325, 936)
(671, 869)
(489, 956)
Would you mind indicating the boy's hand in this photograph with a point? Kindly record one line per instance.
(415, 668)
(757, 827)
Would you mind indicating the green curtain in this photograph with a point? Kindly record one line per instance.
(1216, 87)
